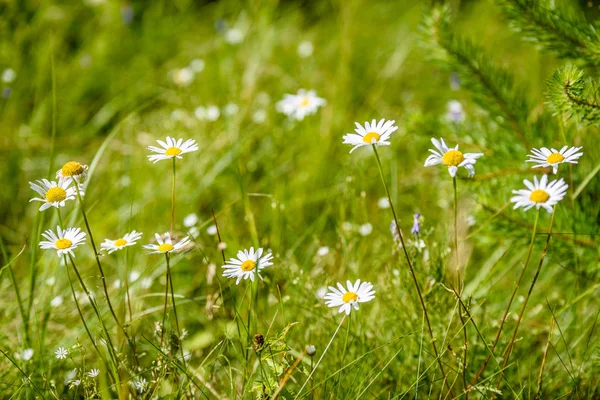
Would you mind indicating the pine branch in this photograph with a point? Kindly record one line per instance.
(491, 85)
(566, 36)
(571, 95)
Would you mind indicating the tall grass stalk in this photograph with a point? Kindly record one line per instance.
(320, 358)
(101, 270)
(517, 284)
(412, 272)
(511, 344)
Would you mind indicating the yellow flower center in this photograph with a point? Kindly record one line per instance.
(72, 168)
(349, 296)
(539, 196)
(63, 243)
(305, 102)
(555, 158)
(248, 265)
(453, 158)
(55, 195)
(173, 151)
(368, 138)
(165, 247)
(120, 242)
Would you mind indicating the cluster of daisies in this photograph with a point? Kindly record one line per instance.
(250, 263)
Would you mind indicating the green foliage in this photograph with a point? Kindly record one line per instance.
(491, 85)
(570, 95)
(563, 33)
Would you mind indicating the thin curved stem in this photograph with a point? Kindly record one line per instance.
(320, 358)
(412, 273)
(487, 360)
(511, 344)
(102, 276)
(168, 257)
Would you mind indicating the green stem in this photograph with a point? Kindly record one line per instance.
(459, 284)
(175, 308)
(320, 358)
(511, 344)
(163, 328)
(412, 272)
(173, 197)
(102, 276)
(487, 360)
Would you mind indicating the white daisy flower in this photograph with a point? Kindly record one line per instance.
(129, 239)
(247, 264)
(64, 242)
(452, 158)
(172, 148)
(540, 193)
(61, 353)
(166, 245)
(54, 194)
(72, 171)
(93, 373)
(349, 298)
(545, 157)
(297, 106)
(375, 132)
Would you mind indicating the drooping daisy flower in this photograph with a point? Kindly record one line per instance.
(452, 158)
(72, 171)
(297, 106)
(64, 242)
(172, 148)
(545, 157)
(247, 264)
(371, 133)
(129, 239)
(53, 194)
(166, 245)
(61, 353)
(540, 193)
(349, 298)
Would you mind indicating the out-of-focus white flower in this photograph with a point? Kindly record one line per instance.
(182, 76)
(455, 112)
(234, 36)
(383, 203)
(93, 373)
(305, 49)
(200, 113)
(365, 229)
(212, 230)
(297, 106)
(190, 220)
(8, 75)
(212, 113)
(231, 109)
(259, 116)
(57, 301)
(134, 276)
(323, 251)
(197, 65)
